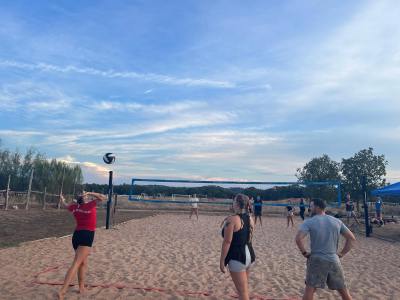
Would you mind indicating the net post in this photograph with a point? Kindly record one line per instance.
(7, 193)
(366, 212)
(110, 192)
(131, 189)
(339, 187)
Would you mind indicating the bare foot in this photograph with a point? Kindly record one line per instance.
(82, 289)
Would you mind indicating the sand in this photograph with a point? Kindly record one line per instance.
(171, 257)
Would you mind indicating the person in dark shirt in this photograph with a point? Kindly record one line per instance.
(378, 209)
(258, 210)
(302, 208)
(350, 210)
(290, 213)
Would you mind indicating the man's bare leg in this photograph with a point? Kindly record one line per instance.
(309, 293)
(344, 293)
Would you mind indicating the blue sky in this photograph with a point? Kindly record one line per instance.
(200, 89)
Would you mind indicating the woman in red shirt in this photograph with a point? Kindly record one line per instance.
(84, 211)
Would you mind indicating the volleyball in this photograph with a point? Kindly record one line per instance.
(109, 158)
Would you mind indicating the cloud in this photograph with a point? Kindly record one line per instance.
(33, 97)
(81, 140)
(393, 175)
(19, 132)
(162, 79)
(56, 105)
(95, 167)
(92, 172)
(353, 68)
(173, 108)
(68, 159)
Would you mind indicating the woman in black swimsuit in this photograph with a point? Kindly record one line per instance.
(237, 252)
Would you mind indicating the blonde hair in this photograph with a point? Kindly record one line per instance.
(243, 201)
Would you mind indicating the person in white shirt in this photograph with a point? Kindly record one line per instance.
(195, 208)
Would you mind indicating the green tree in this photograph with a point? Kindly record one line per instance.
(320, 169)
(363, 163)
(50, 174)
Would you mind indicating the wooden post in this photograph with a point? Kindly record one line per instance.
(7, 192)
(61, 190)
(115, 208)
(115, 202)
(44, 197)
(28, 198)
(73, 191)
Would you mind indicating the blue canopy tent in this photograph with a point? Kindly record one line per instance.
(390, 190)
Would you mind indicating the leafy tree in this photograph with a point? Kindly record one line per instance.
(320, 169)
(47, 173)
(363, 163)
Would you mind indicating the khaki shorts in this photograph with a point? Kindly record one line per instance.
(321, 271)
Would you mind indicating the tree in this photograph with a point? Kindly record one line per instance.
(320, 169)
(49, 174)
(363, 163)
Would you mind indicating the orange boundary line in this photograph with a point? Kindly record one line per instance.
(148, 289)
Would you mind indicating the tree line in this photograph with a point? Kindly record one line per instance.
(212, 191)
(350, 171)
(51, 174)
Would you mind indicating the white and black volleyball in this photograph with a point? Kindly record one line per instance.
(109, 158)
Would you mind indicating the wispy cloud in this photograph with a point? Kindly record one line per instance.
(49, 106)
(158, 78)
(128, 106)
(20, 132)
(354, 66)
(34, 97)
(91, 171)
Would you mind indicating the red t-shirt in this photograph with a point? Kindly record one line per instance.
(85, 215)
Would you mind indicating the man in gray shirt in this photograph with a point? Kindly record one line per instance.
(323, 263)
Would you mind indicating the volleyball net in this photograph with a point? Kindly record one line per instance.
(182, 191)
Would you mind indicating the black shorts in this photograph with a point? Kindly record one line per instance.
(82, 238)
(258, 212)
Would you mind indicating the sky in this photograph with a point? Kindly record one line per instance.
(200, 89)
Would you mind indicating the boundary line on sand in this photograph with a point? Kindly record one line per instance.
(147, 289)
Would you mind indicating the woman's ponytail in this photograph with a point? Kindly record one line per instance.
(79, 200)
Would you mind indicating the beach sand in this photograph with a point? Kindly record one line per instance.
(169, 257)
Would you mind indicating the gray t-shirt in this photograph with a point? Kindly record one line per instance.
(324, 233)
